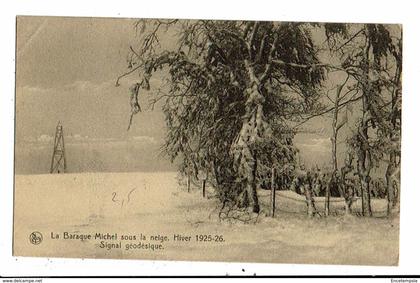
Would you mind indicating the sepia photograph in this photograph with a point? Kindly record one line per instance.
(208, 140)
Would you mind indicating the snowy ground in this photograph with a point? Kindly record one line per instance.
(155, 204)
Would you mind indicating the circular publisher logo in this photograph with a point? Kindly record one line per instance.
(35, 238)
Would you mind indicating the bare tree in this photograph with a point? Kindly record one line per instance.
(339, 101)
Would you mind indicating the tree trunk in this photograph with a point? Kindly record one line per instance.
(347, 190)
(389, 183)
(348, 203)
(309, 199)
(243, 201)
(254, 130)
(348, 196)
(204, 188)
(396, 206)
(273, 192)
(392, 196)
(391, 179)
(364, 159)
(252, 188)
(364, 165)
(327, 196)
(188, 183)
(335, 129)
(366, 208)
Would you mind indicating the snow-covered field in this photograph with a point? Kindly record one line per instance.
(154, 204)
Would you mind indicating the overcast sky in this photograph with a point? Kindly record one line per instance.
(66, 70)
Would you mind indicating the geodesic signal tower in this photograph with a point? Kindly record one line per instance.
(58, 161)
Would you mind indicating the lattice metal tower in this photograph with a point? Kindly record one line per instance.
(58, 161)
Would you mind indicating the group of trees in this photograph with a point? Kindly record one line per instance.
(236, 89)
(372, 61)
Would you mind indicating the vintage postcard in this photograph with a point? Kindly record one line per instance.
(207, 140)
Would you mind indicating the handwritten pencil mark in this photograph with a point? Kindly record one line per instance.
(114, 194)
(128, 196)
